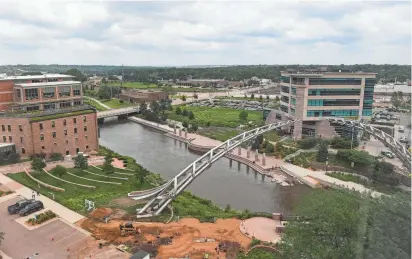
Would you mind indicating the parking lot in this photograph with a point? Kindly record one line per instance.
(55, 239)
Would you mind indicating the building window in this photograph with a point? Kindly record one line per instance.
(4, 139)
(54, 134)
(32, 94)
(23, 151)
(55, 143)
(3, 128)
(48, 92)
(21, 139)
(32, 108)
(87, 147)
(86, 137)
(85, 128)
(41, 126)
(74, 120)
(65, 104)
(77, 150)
(10, 139)
(21, 127)
(43, 147)
(67, 142)
(77, 90)
(76, 139)
(42, 137)
(67, 152)
(64, 122)
(75, 130)
(8, 127)
(84, 119)
(77, 103)
(64, 91)
(53, 124)
(49, 106)
(65, 132)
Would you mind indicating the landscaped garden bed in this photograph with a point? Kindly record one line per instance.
(41, 218)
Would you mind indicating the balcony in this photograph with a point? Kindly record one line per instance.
(284, 103)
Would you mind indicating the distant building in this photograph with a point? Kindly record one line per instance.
(218, 83)
(310, 97)
(39, 92)
(66, 131)
(142, 96)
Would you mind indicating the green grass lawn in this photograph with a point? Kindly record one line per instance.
(74, 196)
(115, 103)
(136, 85)
(94, 104)
(221, 134)
(218, 116)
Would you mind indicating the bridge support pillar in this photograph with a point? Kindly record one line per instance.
(263, 177)
(264, 159)
(238, 166)
(174, 129)
(256, 156)
(185, 133)
(100, 121)
(180, 132)
(247, 169)
(239, 151)
(248, 152)
(230, 162)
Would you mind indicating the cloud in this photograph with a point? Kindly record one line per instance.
(203, 32)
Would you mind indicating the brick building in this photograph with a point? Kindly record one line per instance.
(39, 92)
(140, 96)
(66, 131)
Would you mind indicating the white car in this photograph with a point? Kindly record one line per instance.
(401, 129)
(403, 139)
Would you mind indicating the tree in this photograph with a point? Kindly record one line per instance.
(322, 155)
(143, 108)
(277, 99)
(141, 175)
(178, 110)
(252, 96)
(397, 99)
(194, 126)
(270, 148)
(107, 165)
(56, 156)
(185, 124)
(38, 163)
(329, 228)
(185, 112)
(243, 115)
(191, 115)
(77, 73)
(80, 161)
(59, 170)
(183, 98)
(307, 143)
(155, 107)
(267, 97)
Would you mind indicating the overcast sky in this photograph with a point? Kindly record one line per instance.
(205, 32)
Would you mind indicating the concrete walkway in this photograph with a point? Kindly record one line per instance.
(63, 212)
(99, 102)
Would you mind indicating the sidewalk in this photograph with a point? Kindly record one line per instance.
(63, 212)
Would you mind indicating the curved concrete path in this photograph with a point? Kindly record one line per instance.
(99, 102)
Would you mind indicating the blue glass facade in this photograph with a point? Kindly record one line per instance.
(368, 97)
(333, 102)
(332, 113)
(335, 81)
(328, 92)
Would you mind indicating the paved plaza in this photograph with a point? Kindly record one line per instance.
(261, 228)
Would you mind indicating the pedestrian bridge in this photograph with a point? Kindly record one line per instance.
(162, 196)
(117, 112)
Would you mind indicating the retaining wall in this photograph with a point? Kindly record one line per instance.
(43, 184)
(302, 179)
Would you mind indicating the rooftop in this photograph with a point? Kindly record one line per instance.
(51, 114)
(35, 77)
(49, 83)
(321, 73)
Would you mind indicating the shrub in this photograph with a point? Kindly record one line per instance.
(59, 170)
(38, 164)
(185, 124)
(56, 156)
(342, 143)
(185, 112)
(208, 123)
(360, 158)
(322, 155)
(191, 115)
(243, 115)
(178, 110)
(307, 143)
(80, 162)
(121, 101)
(42, 217)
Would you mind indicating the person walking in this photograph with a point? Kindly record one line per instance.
(38, 193)
(33, 195)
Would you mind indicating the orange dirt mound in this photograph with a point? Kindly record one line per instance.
(100, 212)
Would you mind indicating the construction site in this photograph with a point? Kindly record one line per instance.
(187, 238)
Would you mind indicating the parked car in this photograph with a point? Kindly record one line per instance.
(401, 129)
(32, 207)
(403, 139)
(21, 204)
(387, 153)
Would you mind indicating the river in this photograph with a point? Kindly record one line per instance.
(221, 184)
